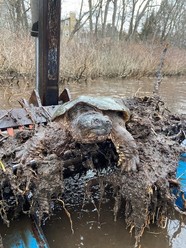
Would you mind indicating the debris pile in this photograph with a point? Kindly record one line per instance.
(32, 182)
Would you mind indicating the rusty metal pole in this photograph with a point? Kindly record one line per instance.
(49, 50)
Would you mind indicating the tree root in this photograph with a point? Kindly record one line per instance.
(68, 214)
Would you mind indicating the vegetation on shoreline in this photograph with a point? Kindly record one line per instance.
(108, 39)
(107, 59)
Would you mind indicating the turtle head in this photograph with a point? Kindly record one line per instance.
(91, 126)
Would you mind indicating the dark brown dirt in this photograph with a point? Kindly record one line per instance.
(36, 165)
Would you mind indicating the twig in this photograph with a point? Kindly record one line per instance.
(179, 210)
(3, 138)
(159, 71)
(68, 214)
(36, 176)
(2, 166)
(153, 131)
(138, 90)
(181, 175)
(164, 225)
(155, 233)
(28, 109)
(178, 135)
(46, 112)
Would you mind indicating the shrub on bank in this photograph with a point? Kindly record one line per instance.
(79, 61)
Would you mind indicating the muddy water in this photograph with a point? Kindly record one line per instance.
(172, 90)
(109, 234)
(105, 233)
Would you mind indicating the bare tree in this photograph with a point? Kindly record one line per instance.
(178, 33)
(90, 16)
(17, 14)
(148, 30)
(25, 21)
(83, 18)
(98, 15)
(138, 9)
(105, 17)
(168, 16)
(115, 6)
(123, 15)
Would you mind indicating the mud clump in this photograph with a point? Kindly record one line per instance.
(37, 164)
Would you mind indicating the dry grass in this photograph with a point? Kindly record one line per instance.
(16, 53)
(119, 59)
(83, 61)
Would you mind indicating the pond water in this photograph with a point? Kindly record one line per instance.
(172, 91)
(89, 233)
(109, 234)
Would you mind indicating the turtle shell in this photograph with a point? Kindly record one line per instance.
(100, 102)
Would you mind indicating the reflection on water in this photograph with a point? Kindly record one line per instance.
(176, 233)
(22, 233)
(108, 234)
(105, 234)
(10, 94)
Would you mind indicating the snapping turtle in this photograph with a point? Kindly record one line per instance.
(95, 119)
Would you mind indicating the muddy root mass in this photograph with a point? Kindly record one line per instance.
(34, 187)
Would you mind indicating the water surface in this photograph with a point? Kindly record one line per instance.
(172, 91)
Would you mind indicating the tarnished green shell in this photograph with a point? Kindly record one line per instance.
(100, 102)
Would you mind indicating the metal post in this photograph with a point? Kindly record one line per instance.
(34, 32)
(37, 63)
(49, 50)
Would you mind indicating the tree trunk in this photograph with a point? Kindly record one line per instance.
(90, 16)
(17, 16)
(97, 18)
(132, 18)
(115, 2)
(122, 20)
(105, 18)
(24, 15)
(139, 13)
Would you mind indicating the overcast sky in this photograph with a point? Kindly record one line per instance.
(74, 6)
(70, 5)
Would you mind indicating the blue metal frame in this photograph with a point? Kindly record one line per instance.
(31, 237)
(181, 177)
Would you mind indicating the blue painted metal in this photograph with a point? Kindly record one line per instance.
(181, 177)
(31, 237)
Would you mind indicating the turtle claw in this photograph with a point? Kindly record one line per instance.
(132, 164)
(127, 161)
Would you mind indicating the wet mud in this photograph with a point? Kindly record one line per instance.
(37, 167)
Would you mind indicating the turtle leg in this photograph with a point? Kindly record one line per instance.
(32, 149)
(51, 139)
(125, 145)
